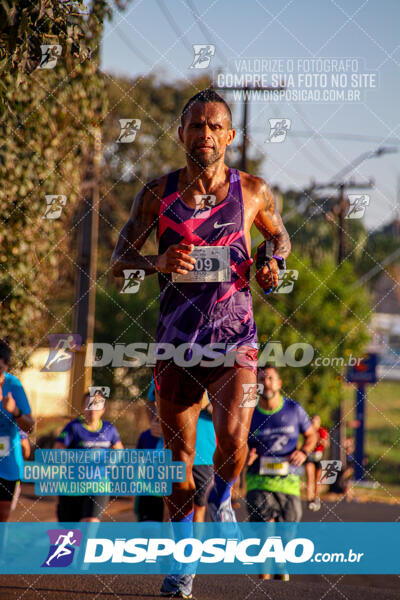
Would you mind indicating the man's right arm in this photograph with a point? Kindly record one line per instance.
(141, 222)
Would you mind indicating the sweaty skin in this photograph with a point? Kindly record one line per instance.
(205, 136)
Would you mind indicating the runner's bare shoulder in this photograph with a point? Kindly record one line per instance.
(151, 193)
(254, 188)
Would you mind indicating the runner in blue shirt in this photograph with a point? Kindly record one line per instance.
(87, 431)
(150, 508)
(15, 413)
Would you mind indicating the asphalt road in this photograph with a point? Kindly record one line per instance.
(220, 587)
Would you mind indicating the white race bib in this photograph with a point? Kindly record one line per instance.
(213, 264)
(270, 465)
(4, 445)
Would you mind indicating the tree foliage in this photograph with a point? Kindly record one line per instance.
(323, 312)
(47, 117)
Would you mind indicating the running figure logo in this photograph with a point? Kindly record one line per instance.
(98, 395)
(54, 207)
(202, 55)
(357, 205)
(278, 129)
(61, 351)
(62, 542)
(251, 393)
(132, 280)
(330, 471)
(204, 204)
(129, 129)
(50, 54)
(286, 281)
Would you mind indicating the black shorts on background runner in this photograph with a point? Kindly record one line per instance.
(315, 458)
(149, 508)
(203, 477)
(7, 489)
(263, 505)
(71, 509)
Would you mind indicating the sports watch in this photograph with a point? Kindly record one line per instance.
(281, 262)
(265, 252)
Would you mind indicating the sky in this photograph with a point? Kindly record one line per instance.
(350, 101)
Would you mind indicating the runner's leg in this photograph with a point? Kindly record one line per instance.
(179, 394)
(179, 426)
(231, 423)
(311, 480)
(318, 473)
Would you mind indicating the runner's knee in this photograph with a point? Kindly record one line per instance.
(182, 451)
(231, 445)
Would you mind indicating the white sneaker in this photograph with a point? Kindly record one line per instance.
(224, 513)
(177, 586)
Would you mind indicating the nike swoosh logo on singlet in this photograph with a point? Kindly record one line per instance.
(218, 225)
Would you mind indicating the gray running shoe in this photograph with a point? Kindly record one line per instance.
(223, 514)
(177, 586)
(317, 503)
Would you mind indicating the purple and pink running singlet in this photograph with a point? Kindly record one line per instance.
(212, 312)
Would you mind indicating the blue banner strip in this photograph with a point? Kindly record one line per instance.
(208, 548)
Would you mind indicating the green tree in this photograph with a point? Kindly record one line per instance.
(47, 117)
(323, 312)
(314, 230)
(380, 245)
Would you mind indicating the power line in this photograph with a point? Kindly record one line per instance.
(357, 161)
(129, 44)
(305, 151)
(204, 29)
(174, 25)
(347, 137)
(325, 149)
(380, 267)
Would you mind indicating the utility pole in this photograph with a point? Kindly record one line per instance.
(341, 211)
(85, 276)
(243, 162)
(342, 208)
(337, 450)
(245, 118)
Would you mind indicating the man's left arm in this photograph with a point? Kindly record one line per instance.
(298, 457)
(269, 222)
(17, 404)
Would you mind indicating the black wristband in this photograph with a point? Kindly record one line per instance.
(304, 452)
(20, 414)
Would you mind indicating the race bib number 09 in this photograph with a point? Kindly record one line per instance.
(270, 465)
(212, 265)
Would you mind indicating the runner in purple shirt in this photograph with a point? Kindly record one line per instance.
(87, 431)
